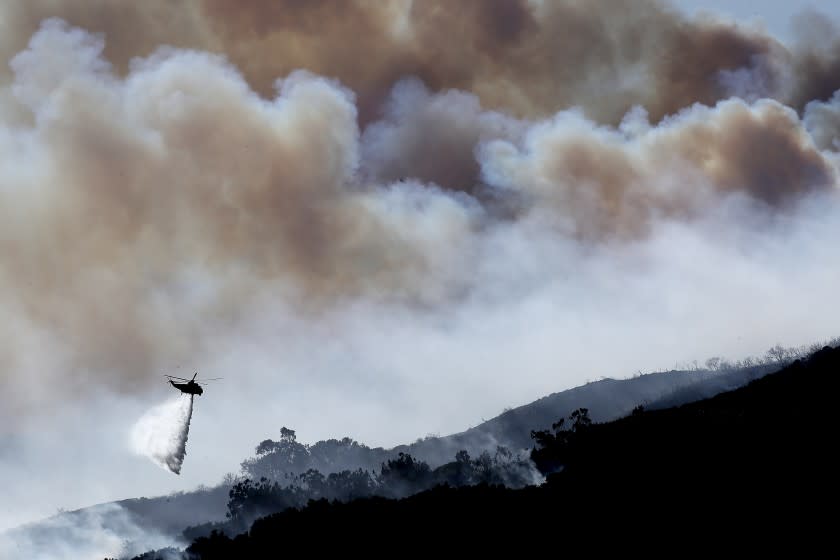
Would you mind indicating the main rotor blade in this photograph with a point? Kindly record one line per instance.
(173, 377)
(213, 379)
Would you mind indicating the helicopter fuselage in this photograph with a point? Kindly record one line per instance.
(189, 388)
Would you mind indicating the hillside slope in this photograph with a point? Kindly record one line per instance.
(606, 400)
(753, 463)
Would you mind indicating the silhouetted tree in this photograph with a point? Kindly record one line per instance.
(249, 499)
(277, 459)
(552, 448)
(778, 354)
(404, 476)
(350, 485)
(580, 419)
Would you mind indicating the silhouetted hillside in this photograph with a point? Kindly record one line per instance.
(757, 457)
(136, 523)
(772, 435)
(170, 514)
(285, 459)
(396, 478)
(606, 400)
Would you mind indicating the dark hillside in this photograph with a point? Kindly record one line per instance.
(757, 458)
(170, 514)
(285, 458)
(606, 400)
(773, 435)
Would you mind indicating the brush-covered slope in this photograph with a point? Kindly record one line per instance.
(606, 400)
(756, 458)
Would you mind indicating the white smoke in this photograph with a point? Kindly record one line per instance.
(105, 530)
(161, 434)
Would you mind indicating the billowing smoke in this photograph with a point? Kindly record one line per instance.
(161, 434)
(383, 219)
(143, 213)
(529, 58)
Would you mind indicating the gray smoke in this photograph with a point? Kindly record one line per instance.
(102, 531)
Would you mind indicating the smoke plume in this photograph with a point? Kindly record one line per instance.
(161, 434)
(406, 214)
(144, 212)
(154, 196)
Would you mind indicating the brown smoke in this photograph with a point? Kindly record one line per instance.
(127, 193)
(525, 58)
(148, 203)
(601, 183)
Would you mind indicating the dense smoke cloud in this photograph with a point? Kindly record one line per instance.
(139, 209)
(530, 58)
(495, 187)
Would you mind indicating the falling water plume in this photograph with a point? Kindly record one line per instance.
(161, 434)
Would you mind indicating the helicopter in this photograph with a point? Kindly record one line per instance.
(190, 386)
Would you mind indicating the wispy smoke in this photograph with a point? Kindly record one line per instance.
(161, 434)
(102, 531)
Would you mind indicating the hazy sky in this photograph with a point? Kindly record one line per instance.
(369, 229)
(774, 14)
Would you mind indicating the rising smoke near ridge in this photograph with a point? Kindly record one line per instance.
(136, 200)
(336, 202)
(161, 433)
(102, 531)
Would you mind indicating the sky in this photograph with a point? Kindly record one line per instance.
(775, 15)
(369, 229)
